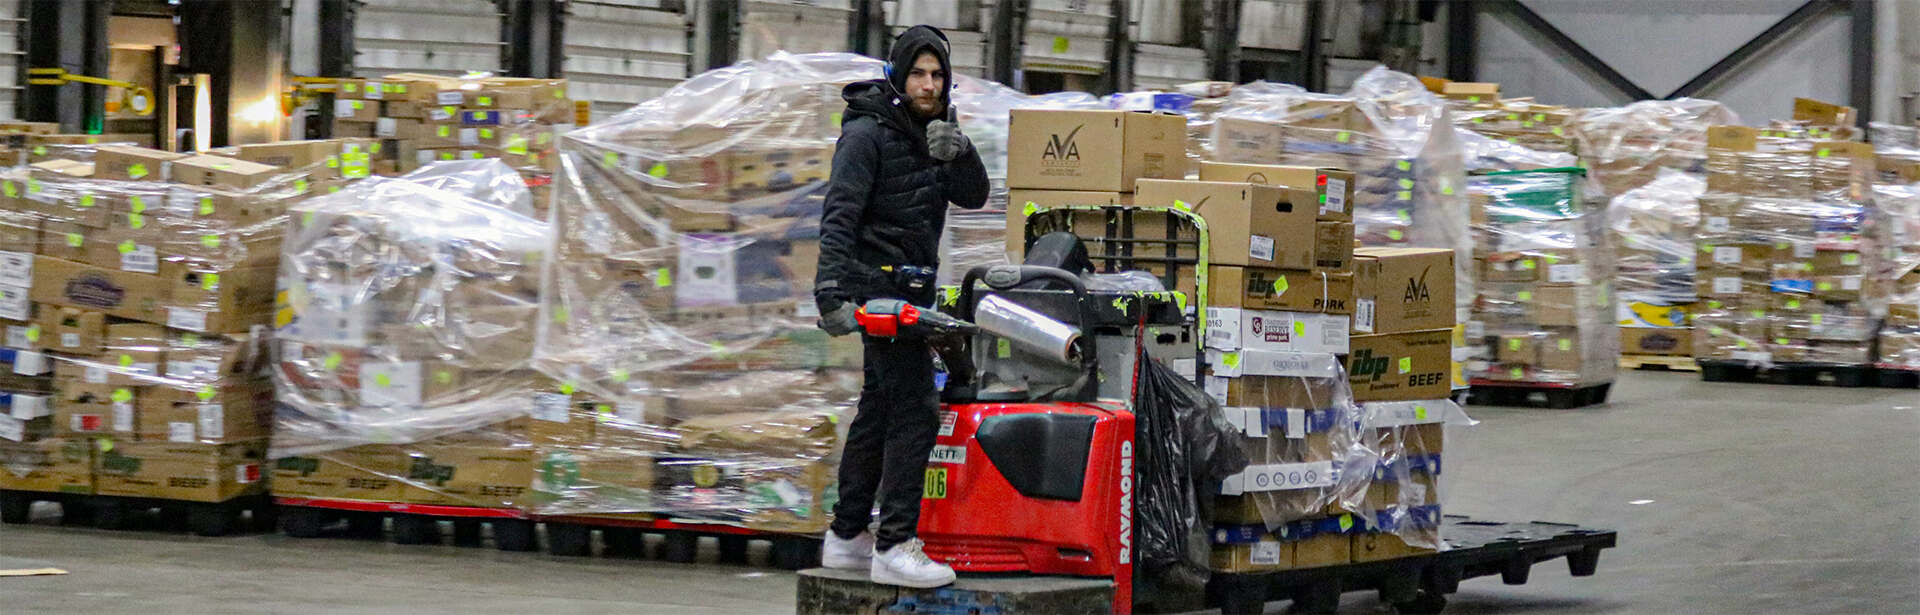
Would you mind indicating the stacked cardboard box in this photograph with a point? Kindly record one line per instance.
(1059, 157)
(1544, 314)
(421, 119)
(142, 275)
(1790, 242)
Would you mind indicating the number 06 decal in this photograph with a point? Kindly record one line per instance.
(935, 487)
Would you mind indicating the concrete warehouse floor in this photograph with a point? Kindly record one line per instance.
(1728, 499)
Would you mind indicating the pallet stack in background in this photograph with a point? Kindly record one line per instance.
(1647, 161)
(144, 276)
(1544, 314)
(1896, 192)
(419, 119)
(1789, 243)
(653, 350)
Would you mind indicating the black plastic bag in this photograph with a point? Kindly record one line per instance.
(1183, 449)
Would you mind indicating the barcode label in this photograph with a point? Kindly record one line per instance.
(13, 429)
(17, 337)
(69, 340)
(1363, 315)
(373, 92)
(1803, 249)
(1336, 197)
(139, 259)
(385, 127)
(450, 98)
(1574, 273)
(343, 108)
(1260, 248)
(16, 268)
(123, 416)
(14, 304)
(1718, 224)
(95, 375)
(1727, 255)
(469, 136)
(439, 113)
(1726, 286)
(1264, 553)
(180, 432)
(183, 318)
(551, 407)
(213, 421)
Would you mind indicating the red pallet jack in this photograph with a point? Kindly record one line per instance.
(1035, 486)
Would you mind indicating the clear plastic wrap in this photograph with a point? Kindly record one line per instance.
(1790, 244)
(1896, 193)
(1299, 429)
(1900, 338)
(1625, 147)
(1545, 308)
(407, 309)
(1390, 131)
(675, 366)
(1329, 481)
(1653, 226)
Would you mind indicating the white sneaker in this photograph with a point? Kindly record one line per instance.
(842, 554)
(907, 565)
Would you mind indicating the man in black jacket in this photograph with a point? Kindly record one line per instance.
(900, 160)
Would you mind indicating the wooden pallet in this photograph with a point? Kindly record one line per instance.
(1658, 363)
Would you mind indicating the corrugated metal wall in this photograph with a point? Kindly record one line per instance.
(449, 37)
(1812, 63)
(795, 26)
(1067, 36)
(622, 52)
(963, 28)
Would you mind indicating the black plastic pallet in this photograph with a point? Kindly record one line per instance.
(567, 537)
(1420, 584)
(1536, 396)
(1800, 374)
(132, 513)
(1898, 378)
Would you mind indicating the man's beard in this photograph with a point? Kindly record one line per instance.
(929, 109)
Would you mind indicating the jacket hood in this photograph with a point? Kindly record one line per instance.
(909, 46)
(882, 98)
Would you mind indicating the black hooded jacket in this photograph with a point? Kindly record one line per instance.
(887, 199)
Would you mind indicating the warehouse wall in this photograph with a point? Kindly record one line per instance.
(1661, 44)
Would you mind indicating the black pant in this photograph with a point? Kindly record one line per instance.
(888, 442)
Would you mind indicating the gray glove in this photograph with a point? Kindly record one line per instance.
(840, 321)
(945, 141)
